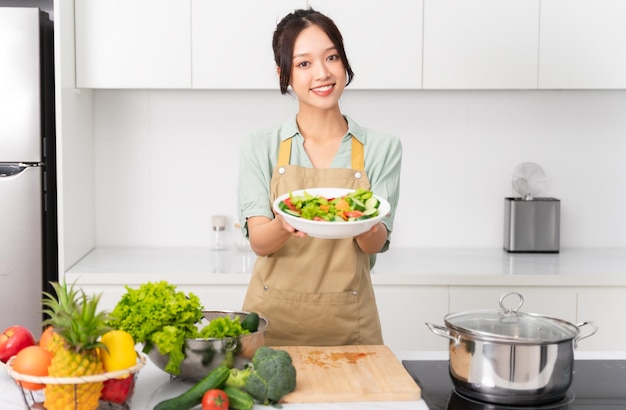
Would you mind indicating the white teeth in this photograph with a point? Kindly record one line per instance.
(322, 89)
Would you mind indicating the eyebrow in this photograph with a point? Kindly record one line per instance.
(305, 54)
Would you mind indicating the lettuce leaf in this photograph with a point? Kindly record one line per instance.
(157, 314)
(222, 327)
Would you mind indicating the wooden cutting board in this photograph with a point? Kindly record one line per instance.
(349, 373)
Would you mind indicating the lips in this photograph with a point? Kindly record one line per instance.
(323, 90)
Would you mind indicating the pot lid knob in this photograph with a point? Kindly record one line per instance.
(509, 310)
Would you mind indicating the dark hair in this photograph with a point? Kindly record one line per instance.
(288, 30)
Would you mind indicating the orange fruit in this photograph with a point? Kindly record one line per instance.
(46, 337)
(32, 361)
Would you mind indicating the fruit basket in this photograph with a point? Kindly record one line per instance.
(124, 380)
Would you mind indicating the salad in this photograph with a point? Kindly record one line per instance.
(356, 205)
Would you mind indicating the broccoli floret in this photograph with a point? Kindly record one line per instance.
(238, 378)
(273, 375)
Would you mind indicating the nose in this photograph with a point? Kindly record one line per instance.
(321, 70)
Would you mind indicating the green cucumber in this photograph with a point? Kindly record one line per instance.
(290, 212)
(251, 322)
(238, 399)
(370, 212)
(372, 203)
(192, 397)
(358, 205)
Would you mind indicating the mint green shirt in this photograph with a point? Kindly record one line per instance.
(259, 154)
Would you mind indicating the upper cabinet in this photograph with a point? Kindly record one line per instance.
(404, 44)
(481, 44)
(232, 42)
(383, 40)
(583, 44)
(133, 44)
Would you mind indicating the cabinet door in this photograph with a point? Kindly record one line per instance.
(605, 307)
(232, 42)
(133, 44)
(383, 40)
(404, 312)
(481, 44)
(583, 44)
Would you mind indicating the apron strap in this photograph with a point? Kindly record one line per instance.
(358, 155)
(284, 152)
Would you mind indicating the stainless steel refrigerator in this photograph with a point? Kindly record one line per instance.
(28, 221)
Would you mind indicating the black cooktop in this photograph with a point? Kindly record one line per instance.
(597, 385)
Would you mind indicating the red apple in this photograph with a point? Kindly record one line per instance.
(12, 340)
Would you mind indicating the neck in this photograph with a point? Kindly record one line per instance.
(321, 125)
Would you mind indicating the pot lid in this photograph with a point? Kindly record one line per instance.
(510, 325)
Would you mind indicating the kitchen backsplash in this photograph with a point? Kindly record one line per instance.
(168, 160)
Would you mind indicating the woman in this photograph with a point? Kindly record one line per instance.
(315, 292)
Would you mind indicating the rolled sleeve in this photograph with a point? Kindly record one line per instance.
(256, 156)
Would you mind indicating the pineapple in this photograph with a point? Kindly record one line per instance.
(78, 326)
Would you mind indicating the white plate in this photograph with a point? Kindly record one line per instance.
(331, 230)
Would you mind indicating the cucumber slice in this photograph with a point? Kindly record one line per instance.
(372, 203)
(357, 204)
(290, 212)
(370, 212)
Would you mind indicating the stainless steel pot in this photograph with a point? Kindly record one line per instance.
(509, 357)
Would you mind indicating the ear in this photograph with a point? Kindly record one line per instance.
(278, 71)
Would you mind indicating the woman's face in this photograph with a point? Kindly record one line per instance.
(318, 76)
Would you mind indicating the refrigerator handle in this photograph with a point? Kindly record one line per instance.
(12, 169)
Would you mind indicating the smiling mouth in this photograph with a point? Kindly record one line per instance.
(323, 89)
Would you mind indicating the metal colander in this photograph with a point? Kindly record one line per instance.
(204, 355)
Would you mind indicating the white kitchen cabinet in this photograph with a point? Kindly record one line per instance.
(481, 44)
(383, 40)
(605, 307)
(404, 311)
(582, 44)
(232, 43)
(133, 44)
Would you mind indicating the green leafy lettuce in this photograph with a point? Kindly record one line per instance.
(222, 327)
(157, 314)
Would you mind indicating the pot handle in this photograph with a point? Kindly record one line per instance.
(444, 332)
(580, 337)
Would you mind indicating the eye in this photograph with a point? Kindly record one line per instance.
(303, 64)
(333, 57)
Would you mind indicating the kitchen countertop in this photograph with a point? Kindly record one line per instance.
(153, 385)
(398, 266)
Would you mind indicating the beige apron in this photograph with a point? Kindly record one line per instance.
(316, 292)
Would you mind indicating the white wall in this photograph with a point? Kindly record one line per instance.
(167, 160)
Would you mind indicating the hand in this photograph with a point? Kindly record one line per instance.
(367, 234)
(373, 240)
(288, 227)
